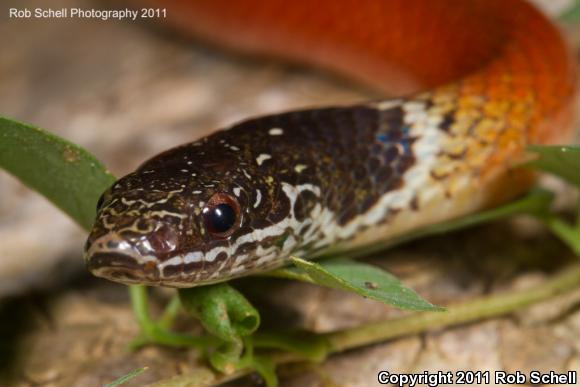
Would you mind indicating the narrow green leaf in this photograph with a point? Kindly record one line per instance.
(126, 378)
(63, 172)
(562, 161)
(365, 280)
(569, 234)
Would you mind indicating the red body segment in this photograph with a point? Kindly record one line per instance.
(400, 46)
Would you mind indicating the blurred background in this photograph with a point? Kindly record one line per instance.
(127, 90)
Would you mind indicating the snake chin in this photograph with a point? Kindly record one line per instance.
(122, 275)
(121, 267)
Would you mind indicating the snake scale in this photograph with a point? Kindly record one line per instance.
(474, 82)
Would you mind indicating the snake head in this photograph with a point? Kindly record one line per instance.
(136, 229)
(200, 213)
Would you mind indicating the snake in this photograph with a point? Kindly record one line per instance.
(468, 86)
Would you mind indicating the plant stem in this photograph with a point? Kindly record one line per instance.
(170, 312)
(152, 332)
(470, 311)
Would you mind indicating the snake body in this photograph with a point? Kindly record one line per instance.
(478, 81)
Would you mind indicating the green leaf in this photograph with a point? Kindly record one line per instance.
(365, 280)
(562, 161)
(568, 233)
(535, 203)
(63, 172)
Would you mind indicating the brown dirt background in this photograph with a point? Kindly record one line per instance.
(126, 91)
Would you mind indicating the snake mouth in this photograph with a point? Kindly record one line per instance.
(122, 268)
(132, 255)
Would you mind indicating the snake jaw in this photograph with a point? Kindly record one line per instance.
(134, 258)
(122, 268)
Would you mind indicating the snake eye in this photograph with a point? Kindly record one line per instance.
(221, 215)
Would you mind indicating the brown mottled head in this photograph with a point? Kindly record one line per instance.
(243, 200)
(178, 220)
